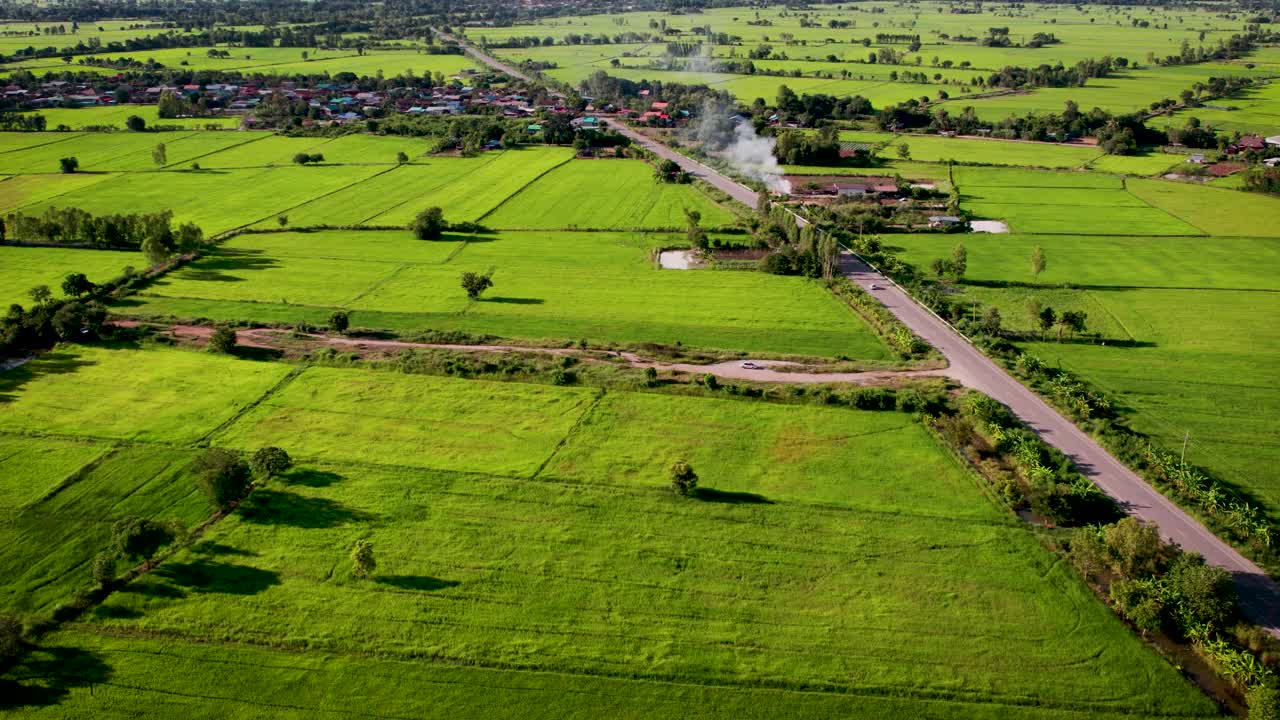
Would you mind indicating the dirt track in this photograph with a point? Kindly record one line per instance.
(267, 338)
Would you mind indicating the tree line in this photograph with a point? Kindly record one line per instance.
(153, 233)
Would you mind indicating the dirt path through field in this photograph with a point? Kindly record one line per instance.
(764, 371)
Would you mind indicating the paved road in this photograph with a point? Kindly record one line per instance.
(1259, 594)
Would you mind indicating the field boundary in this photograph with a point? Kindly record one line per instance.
(524, 187)
(493, 158)
(573, 430)
(281, 211)
(203, 440)
(215, 152)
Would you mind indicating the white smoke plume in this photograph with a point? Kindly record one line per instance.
(738, 143)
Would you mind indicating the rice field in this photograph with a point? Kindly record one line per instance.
(1196, 310)
(114, 116)
(601, 579)
(566, 285)
(22, 268)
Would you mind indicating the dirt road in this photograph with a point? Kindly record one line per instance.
(1259, 594)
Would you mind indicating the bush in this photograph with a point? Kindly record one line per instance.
(269, 461)
(139, 538)
(68, 165)
(475, 284)
(339, 321)
(1202, 594)
(1264, 701)
(223, 476)
(104, 568)
(683, 479)
(1141, 601)
(429, 224)
(362, 558)
(223, 340)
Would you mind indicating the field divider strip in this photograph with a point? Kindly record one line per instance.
(377, 284)
(524, 187)
(432, 188)
(101, 177)
(573, 430)
(215, 152)
(308, 200)
(235, 417)
(70, 136)
(73, 477)
(1139, 198)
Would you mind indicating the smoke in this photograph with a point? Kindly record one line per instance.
(738, 143)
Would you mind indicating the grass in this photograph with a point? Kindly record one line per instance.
(1054, 207)
(601, 286)
(178, 397)
(1252, 111)
(115, 116)
(814, 573)
(934, 148)
(1199, 310)
(604, 194)
(1215, 211)
(22, 268)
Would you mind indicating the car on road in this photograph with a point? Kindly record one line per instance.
(748, 365)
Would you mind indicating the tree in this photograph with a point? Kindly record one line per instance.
(77, 321)
(223, 476)
(139, 538)
(301, 159)
(135, 123)
(269, 461)
(339, 321)
(429, 224)
(40, 294)
(282, 220)
(160, 155)
(697, 236)
(68, 165)
(1072, 321)
(940, 268)
(402, 157)
(362, 559)
(1047, 318)
(104, 568)
(10, 637)
(666, 171)
(76, 284)
(475, 283)
(1037, 261)
(1204, 595)
(904, 151)
(959, 261)
(223, 340)
(156, 249)
(1134, 547)
(683, 479)
(991, 321)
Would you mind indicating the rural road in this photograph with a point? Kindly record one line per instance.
(1259, 594)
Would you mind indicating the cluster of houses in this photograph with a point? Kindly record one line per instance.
(335, 102)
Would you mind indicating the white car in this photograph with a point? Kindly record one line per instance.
(748, 365)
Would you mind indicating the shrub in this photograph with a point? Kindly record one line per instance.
(104, 568)
(139, 538)
(339, 321)
(475, 284)
(269, 461)
(68, 165)
(1264, 701)
(1134, 547)
(223, 340)
(1202, 594)
(223, 476)
(683, 479)
(362, 558)
(10, 637)
(1141, 601)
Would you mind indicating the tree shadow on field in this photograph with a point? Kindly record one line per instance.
(153, 589)
(277, 507)
(310, 478)
(513, 301)
(45, 676)
(246, 352)
(219, 577)
(218, 268)
(216, 548)
(115, 612)
(56, 362)
(423, 583)
(731, 498)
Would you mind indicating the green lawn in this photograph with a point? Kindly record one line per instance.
(600, 286)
